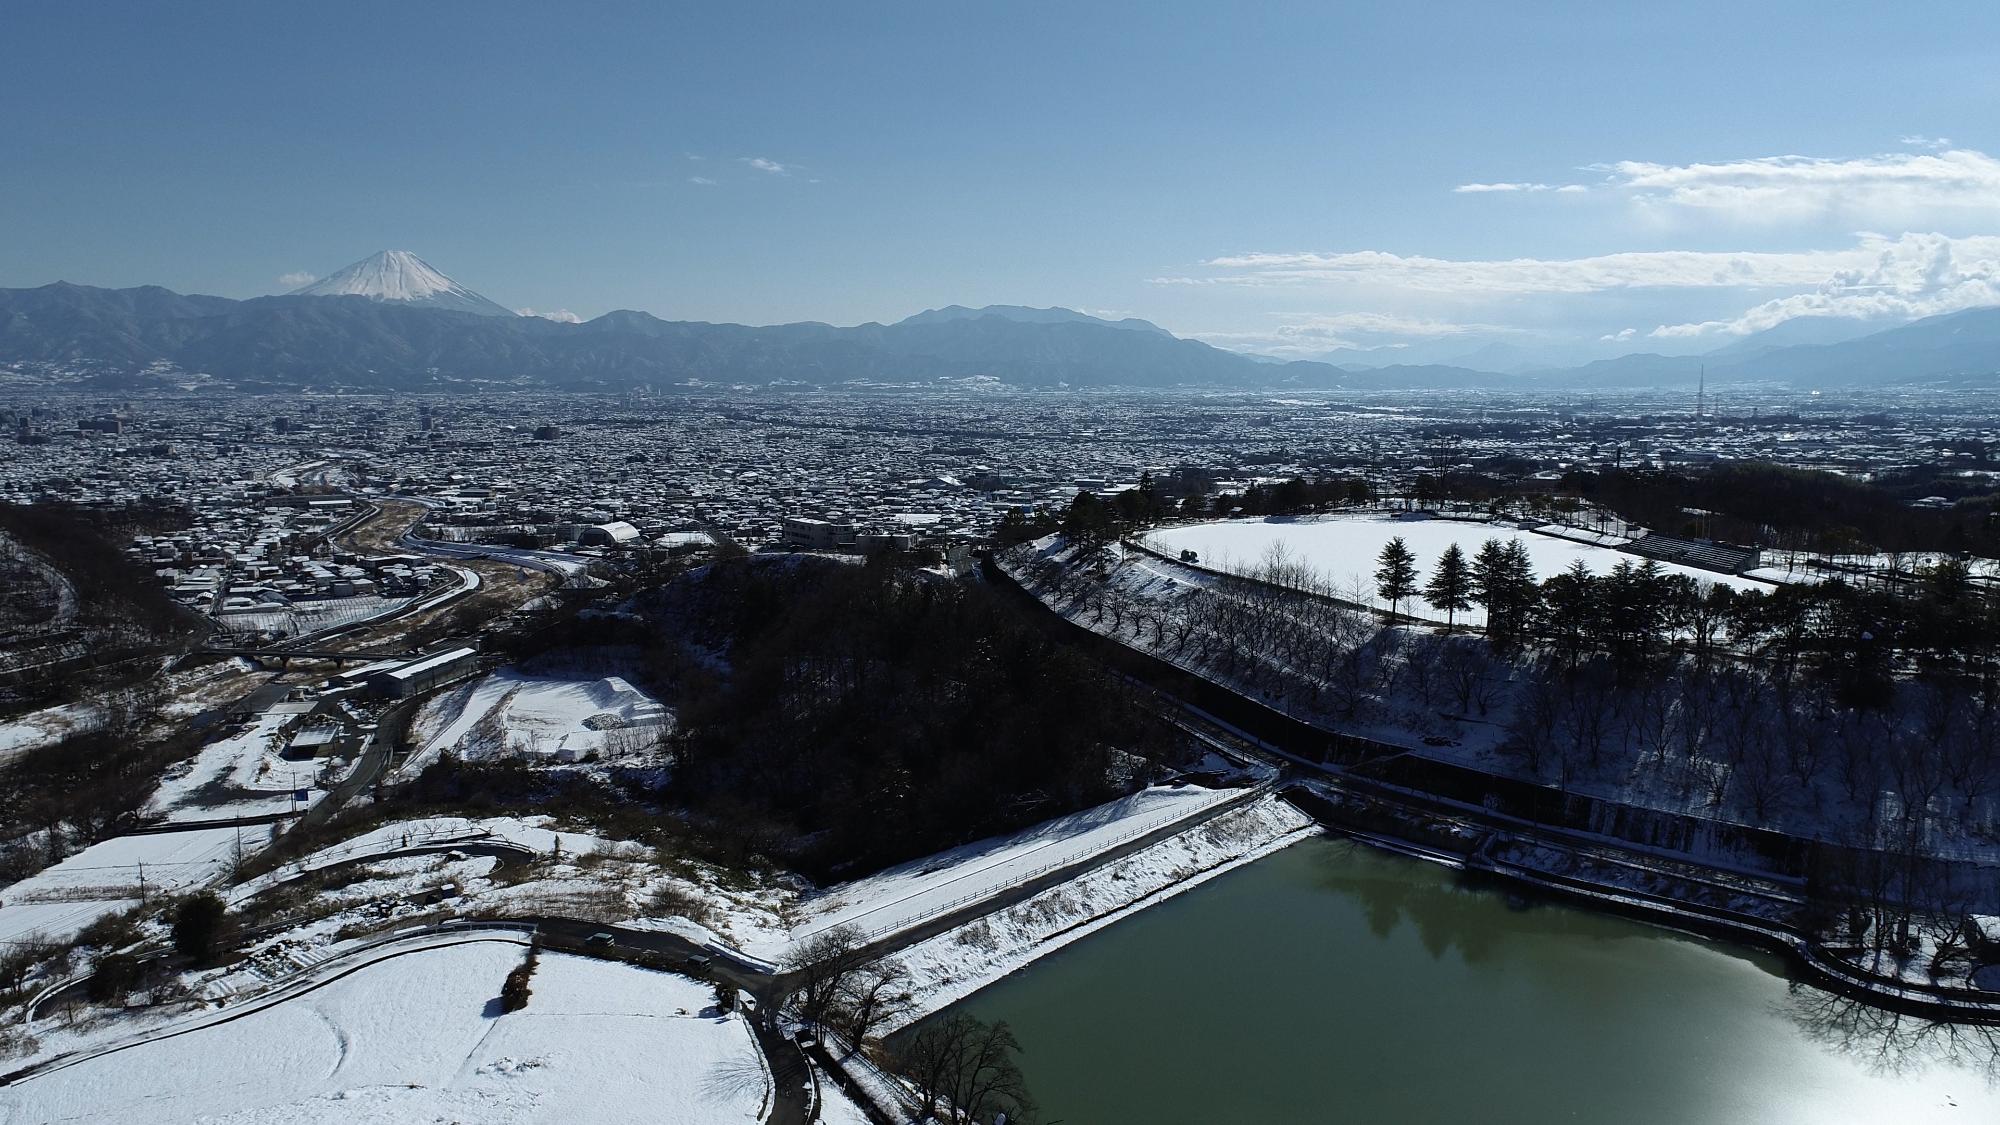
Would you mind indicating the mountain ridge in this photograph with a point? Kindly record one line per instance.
(115, 337)
(1024, 314)
(356, 340)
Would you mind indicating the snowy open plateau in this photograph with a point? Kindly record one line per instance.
(1345, 551)
(421, 1038)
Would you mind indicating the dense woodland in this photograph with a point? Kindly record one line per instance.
(86, 787)
(1803, 509)
(1755, 503)
(76, 612)
(852, 716)
(88, 546)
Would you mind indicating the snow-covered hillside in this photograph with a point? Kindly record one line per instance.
(400, 276)
(514, 713)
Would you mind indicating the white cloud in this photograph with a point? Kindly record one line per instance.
(701, 180)
(296, 278)
(1883, 277)
(562, 316)
(1951, 192)
(763, 164)
(1884, 190)
(1916, 275)
(1908, 189)
(1360, 331)
(1466, 189)
(1559, 189)
(1674, 269)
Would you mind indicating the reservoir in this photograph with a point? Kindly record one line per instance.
(1334, 983)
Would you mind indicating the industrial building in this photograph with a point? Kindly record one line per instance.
(419, 676)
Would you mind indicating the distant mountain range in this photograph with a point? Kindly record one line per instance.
(1023, 315)
(394, 322)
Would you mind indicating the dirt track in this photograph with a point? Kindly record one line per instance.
(503, 587)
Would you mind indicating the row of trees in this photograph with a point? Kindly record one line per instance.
(843, 987)
(1804, 509)
(964, 1071)
(1637, 610)
(1499, 579)
(1182, 494)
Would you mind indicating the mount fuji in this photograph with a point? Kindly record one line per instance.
(404, 278)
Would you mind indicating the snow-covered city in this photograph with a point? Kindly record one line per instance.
(916, 565)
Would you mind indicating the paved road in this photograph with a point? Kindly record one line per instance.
(793, 1101)
(1021, 892)
(388, 731)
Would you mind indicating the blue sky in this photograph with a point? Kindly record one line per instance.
(1289, 178)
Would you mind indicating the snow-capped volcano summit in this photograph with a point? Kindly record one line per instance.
(400, 276)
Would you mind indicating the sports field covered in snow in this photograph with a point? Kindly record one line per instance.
(1344, 550)
(421, 1038)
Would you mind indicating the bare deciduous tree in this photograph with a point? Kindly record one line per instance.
(964, 1070)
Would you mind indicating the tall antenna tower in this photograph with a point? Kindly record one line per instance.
(1701, 393)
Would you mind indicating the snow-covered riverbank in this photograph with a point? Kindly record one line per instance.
(955, 964)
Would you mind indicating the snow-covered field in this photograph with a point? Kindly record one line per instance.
(1451, 699)
(575, 874)
(46, 727)
(910, 892)
(420, 1038)
(105, 878)
(243, 774)
(1345, 551)
(761, 918)
(511, 712)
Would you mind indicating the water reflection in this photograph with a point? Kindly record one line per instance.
(1421, 995)
(1892, 1043)
(1453, 912)
(1449, 911)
